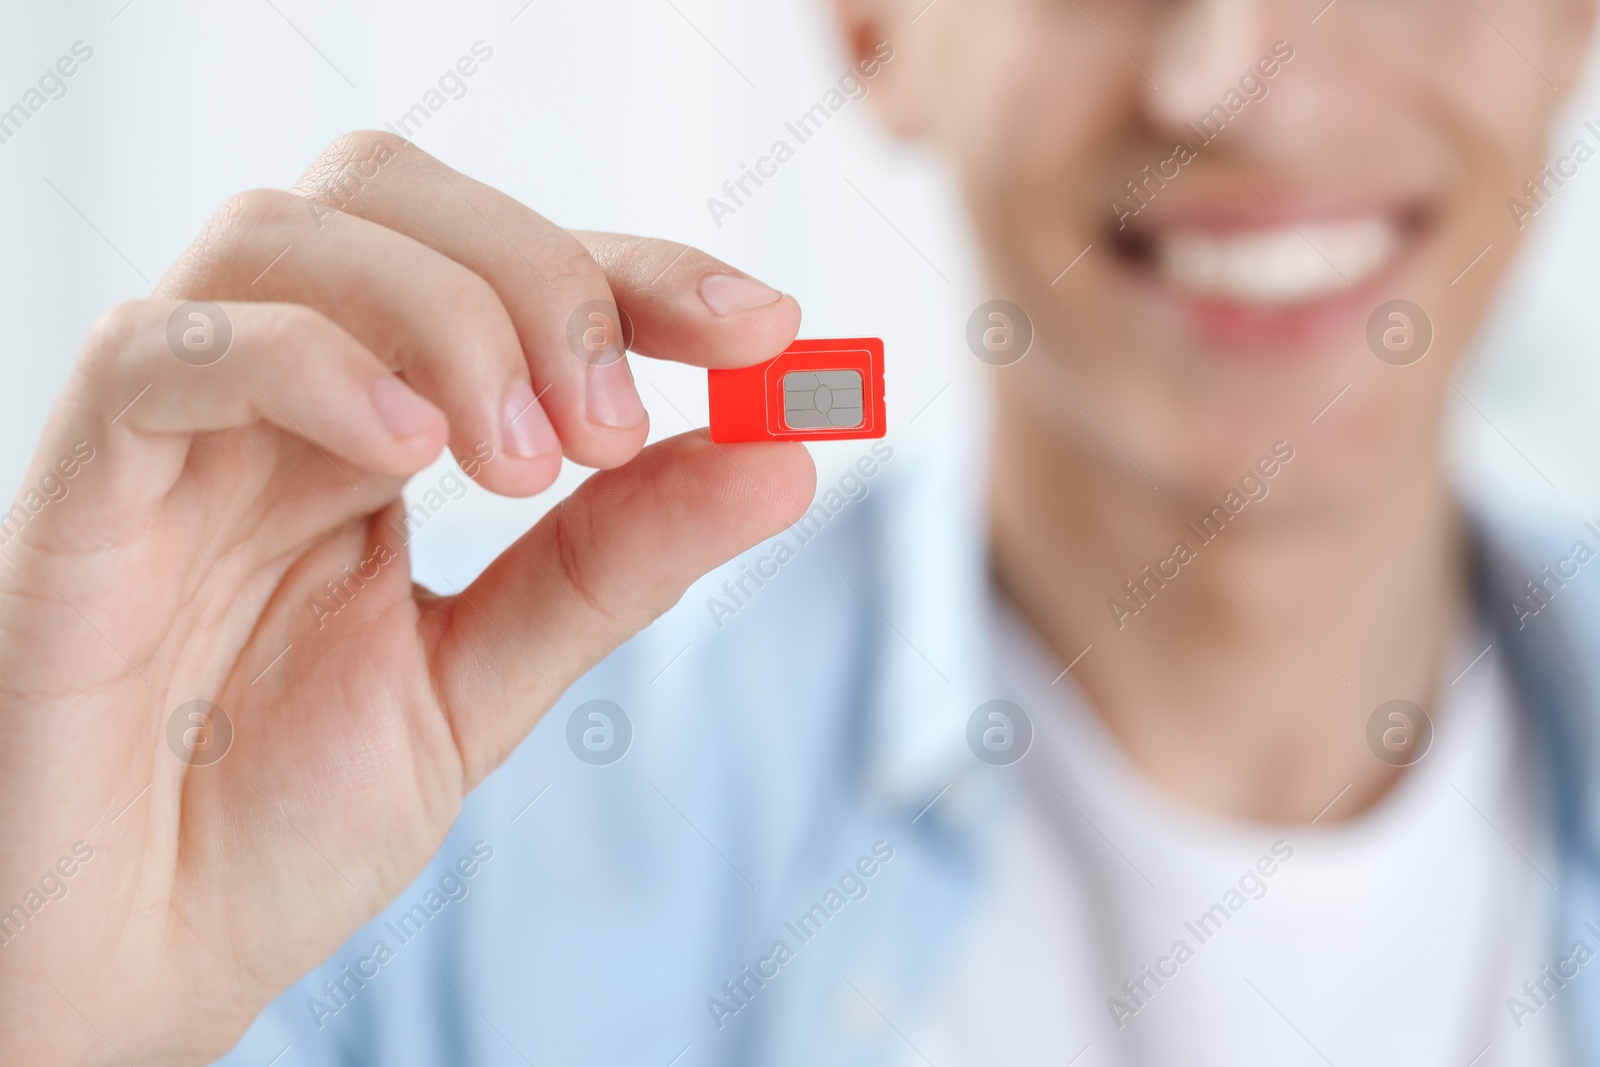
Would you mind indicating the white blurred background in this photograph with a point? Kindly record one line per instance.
(622, 115)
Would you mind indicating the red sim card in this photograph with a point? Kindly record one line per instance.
(818, 390)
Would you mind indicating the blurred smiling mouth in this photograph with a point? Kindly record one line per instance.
(1251, 280)
(1282, 265)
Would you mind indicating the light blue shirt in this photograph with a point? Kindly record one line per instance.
(774, 870)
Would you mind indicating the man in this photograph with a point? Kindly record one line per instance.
(1181, 716)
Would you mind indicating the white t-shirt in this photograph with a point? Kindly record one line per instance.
(1393, 938)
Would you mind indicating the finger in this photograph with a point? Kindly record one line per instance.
(687, 306)
(418, 310)
(135, 404)
(545, 277)
(597, 569)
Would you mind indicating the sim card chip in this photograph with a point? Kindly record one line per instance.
(824, 399)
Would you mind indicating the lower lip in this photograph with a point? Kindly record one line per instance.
(1245, 330)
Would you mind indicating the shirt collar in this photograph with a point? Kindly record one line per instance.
(932, 601)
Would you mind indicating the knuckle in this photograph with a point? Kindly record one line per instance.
(570, 267)
(481, 320)
(225, 243)
(289, 329)
(257, 209)
(641, 261)
(241, 220)
(115, 335)
(469, 293)
(345, 169)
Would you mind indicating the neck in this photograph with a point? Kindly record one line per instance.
(1245, 683)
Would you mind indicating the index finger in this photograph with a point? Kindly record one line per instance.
(559, 296)
(687, 306)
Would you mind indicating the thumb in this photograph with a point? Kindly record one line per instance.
(600, 567)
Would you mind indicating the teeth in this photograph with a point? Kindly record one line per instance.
(1280, 265)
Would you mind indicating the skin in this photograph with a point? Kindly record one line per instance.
(220, 500)
(194, 542)
(1249, 702)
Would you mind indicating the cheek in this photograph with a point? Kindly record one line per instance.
(1056, 127)
(1507, 89)
(1033, 99)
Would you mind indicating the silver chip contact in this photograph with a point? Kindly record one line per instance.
(822, 400)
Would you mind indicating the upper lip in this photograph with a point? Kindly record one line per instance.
(1238, 215)
(1262, 204)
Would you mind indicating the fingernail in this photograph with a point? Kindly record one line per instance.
(403, 413)
(729, 294)
(526, 429)
(612, 399)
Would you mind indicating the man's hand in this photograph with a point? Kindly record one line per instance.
(217, 510)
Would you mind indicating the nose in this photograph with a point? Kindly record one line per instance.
(1198, 53)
